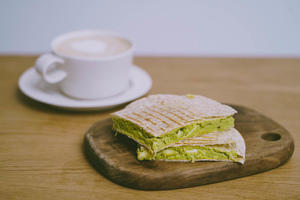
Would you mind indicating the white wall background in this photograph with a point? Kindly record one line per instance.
(159, 27)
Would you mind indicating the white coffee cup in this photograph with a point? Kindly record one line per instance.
(87, 77)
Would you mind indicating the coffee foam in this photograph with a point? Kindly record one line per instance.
(93, 46)
(89, 46)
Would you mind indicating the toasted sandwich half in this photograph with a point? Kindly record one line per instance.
(227, 145)
(159, 121)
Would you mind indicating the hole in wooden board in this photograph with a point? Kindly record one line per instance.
(271, 136)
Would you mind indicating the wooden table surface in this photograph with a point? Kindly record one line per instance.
(41, 153)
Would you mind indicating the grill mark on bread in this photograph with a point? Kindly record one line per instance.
(156, 117)
(139, 122)
(179, 117)
(165, 116)
(149, 114)
(172, 113)
(146, 119)
(186, 110)
(160, 119)
(202, 137)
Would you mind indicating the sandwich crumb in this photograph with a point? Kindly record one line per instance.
(190, 96)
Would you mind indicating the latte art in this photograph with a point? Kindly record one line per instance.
(93, 46)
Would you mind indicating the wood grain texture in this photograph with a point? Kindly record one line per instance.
(268, 145)
(41, 153)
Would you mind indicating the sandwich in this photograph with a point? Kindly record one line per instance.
(227, 145)
(160, 121)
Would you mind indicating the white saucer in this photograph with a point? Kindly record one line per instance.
(32, 85)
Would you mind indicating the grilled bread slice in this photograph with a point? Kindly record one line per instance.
(227, 145)
(159, 121)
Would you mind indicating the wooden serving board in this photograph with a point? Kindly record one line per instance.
(268, 145)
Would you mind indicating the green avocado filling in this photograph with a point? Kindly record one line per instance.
(189, 153)
(155, 144)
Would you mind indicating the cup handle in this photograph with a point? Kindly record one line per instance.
(47, 66)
